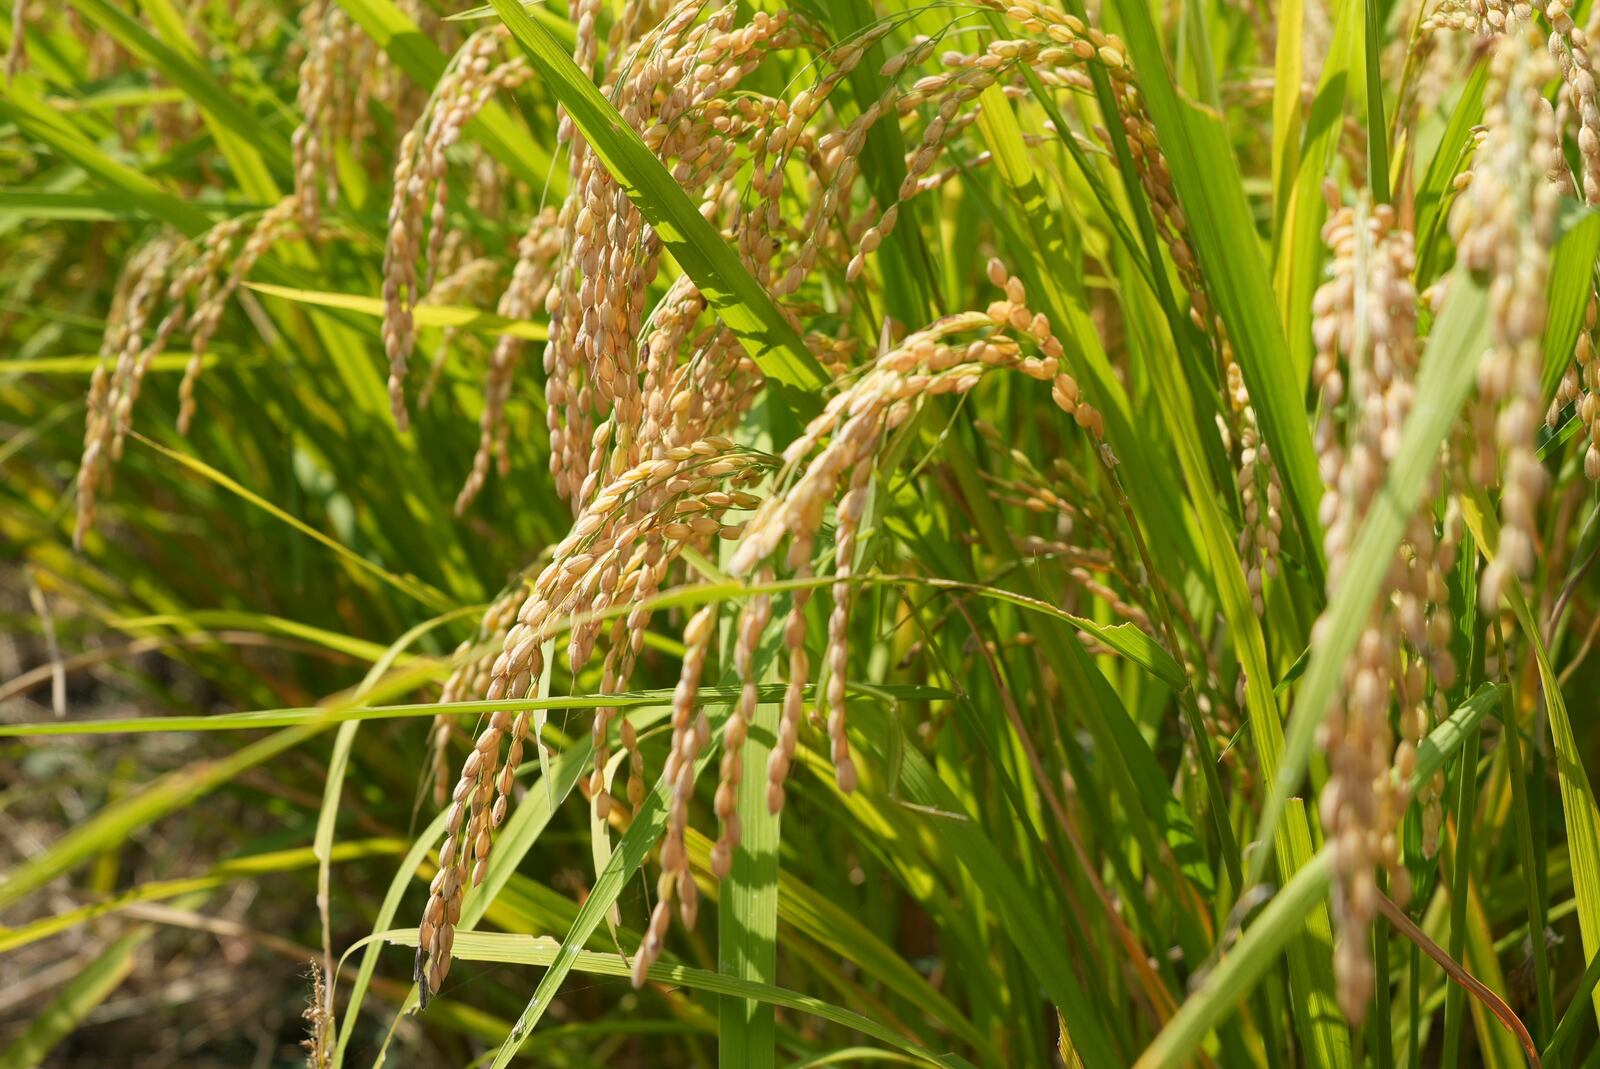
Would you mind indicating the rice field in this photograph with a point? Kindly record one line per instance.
(647, 534)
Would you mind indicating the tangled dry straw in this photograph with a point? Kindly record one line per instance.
(648, 392)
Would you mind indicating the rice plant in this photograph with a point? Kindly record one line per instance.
(990, 533)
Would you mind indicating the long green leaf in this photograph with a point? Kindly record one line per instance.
(248, 146)
(339, 714)
(747, 911)
(203, 619)
(83, 364)
(1300, 250)
(386, 914)
(649, 820)
(1439, 180)
(408, 584)
(1571, 288)
(811, 912)
(38, 205)
(544, 951)
(1211, 190)
(1582, 815)
(1017, 910)
(38, 122)
(425, 315)
(1288, 63)
(1311, 962)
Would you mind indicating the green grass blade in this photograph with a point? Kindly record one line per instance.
(407, 584)
(343, 713)
(1313, 990)
(515, 839)
(248, 146)
(1538, 916)
(425, 315)
(1300, 249)
(322, 845)
(1438, 181)
(386, 913)
(812, 913)
(83, 364)
(544, 951)
(327, 818)
(1311, 961)
(1582, 815)
(1209, 186)
(1016, 908)
(1571, 286)
(42, 205)
(1377, 125)
(207, 619)
(649, 821)
(1460, 890)
(1576, 1013)
(38, 122)
(1288, 63)
(747, 912)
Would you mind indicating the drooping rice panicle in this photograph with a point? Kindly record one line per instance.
(1502, 226)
